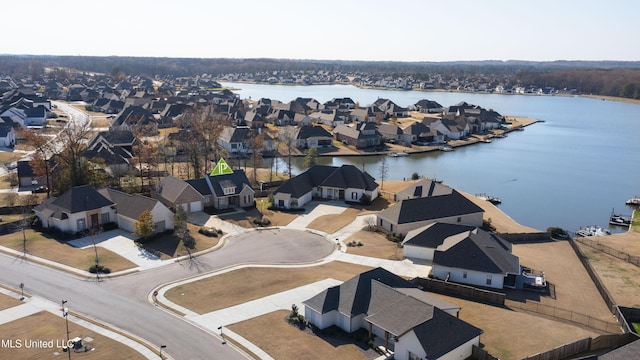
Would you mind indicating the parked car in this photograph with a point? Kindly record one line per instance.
(40, 189)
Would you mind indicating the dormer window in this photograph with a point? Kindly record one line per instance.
(228, 187)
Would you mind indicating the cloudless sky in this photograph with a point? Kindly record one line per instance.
(400, 30)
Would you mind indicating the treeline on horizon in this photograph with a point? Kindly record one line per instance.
(609, 78)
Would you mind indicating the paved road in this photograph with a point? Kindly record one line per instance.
(123, 301)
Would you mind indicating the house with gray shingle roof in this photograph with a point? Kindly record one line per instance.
(410, 214)
(78, 209)
(131, 206)
(313, 136)
(174, 192)
(225, 191)
(346, 183)
(421, 243)
(412, 323)
(475, 258)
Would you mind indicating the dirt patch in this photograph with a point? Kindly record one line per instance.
(502, 222)
(621, 278)
(48, 327)
(7, 301)
(293, 343)
(511, 335)
(51, 249)
(237, 287)
(374, 245)
(572, 287)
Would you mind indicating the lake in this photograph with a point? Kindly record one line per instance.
(571, 170)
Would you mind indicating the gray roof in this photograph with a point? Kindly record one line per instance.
(429, 208)
(424, 188)
(75, 200)
(173, 189)
(479, 251)
(629, 351)
(129, 205)
(238, 179)
(346, 176)
(433, 235)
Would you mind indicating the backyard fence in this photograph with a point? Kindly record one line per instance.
(459, 290)
(570, 350)
(478, 353)
(602, 289)
(567, 315)
(635, 260)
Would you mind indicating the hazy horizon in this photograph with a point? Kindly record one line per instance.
(404, 30)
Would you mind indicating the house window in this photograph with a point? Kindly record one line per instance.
(489, 279)
(459, 219)
(354, 196)
(230, 190)
(464, 274)
(205, 200)
(105, 218)
(281, 203)
(81, 224)
(391, 227)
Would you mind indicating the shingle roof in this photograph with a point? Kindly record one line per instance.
(346, 176)
(479, 251)
(78, 199)
(428, 208)
(433, 235)
(237, 179)
(129, 205)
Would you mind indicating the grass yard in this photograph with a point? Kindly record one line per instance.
(168, 246)
(245, 219)
(621, 278)
(237, 287)
(374, 245)
(41, 245)
(7, 301)
(512, 335)
(574, 289)
(284, 341)
(334, 222)
(46, 327)
(9, 157)
(100, 123)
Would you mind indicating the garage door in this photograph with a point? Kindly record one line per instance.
(196, 206)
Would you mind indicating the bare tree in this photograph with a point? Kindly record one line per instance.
(256, 144)
(288, 139)
(69, 157)
(384, 170)
(40, 161)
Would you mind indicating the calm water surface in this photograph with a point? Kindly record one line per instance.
(571, 170)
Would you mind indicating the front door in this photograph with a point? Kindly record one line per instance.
(94, 221)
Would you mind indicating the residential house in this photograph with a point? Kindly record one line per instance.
(409, 214)
(450, 128)
(412, 323)
(313, 137)
(476, 258)
(237, 140)
(362, 135)
(224, 188)
(78, 209)
(26, 176)
(8, 135)
(428, 106)
(131, 206)
(392, 133)
(346, 183)
(421, 243)
(423, 188)
(331, 118)
(174, 192)
(421, 134)
(362, 115)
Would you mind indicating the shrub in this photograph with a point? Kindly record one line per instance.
(109, 226)
(210, 232)
(99, 269)
(415, 176)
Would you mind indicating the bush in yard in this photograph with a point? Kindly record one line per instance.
(210, 232)
(99, 269)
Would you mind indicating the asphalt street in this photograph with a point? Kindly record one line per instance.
(123, 301)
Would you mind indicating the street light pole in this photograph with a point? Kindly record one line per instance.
(65, 314)
(162, 347)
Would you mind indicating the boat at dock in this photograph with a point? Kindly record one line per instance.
(634, 201)
(492, 199)
(398, 154)
(446, 148)
(586, 231)
(619, 220)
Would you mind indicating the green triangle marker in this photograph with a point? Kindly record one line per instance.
(221, 168)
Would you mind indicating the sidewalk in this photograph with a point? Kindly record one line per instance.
(34, 304)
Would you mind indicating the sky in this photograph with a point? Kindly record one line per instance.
(377, 30)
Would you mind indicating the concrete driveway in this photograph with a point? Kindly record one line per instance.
(123, 244)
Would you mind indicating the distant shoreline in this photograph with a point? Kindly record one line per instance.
(597, 97)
